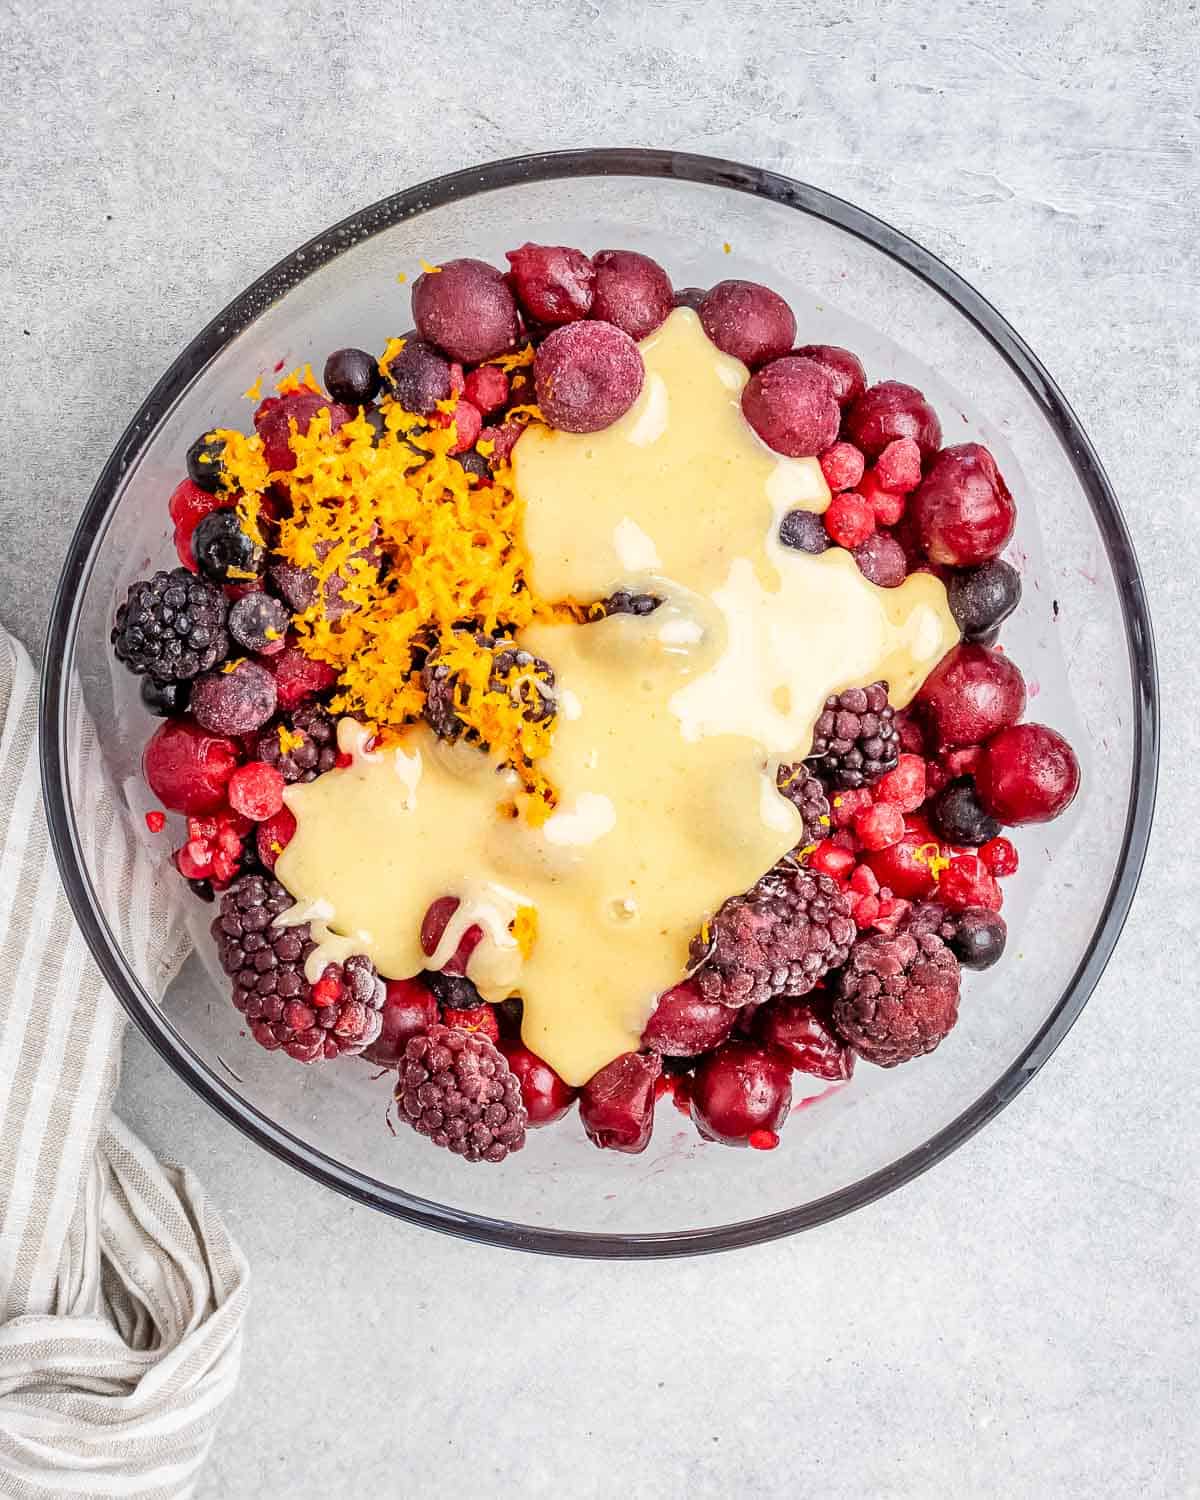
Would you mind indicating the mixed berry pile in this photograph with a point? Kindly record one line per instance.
(322, 571)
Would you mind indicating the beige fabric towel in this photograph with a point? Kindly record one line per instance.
(122, 1295)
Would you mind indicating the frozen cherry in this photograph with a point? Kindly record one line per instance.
(844, 369)
(797, 1031)
(187, 768)
(299, 677)
(418, 376)
(971, 694)
(587, 375)
(1028, 774)
(234, 702)
(892, 410)
(617, 1103)
(790, 404)
(554, 283)
(275, 417)
(982, 598)
(749, 321)
(962, 510)
(803, 531)
(352, 376)
(738, 1089)
(959, 818)
(979, 937)
(408, 1009)
(684, 1024)
(906, 868)
(881, 560)
(545, 1096)
(633, 292)
(467, 309)
(434, 924)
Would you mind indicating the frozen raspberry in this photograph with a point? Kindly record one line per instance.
(831, 859)
(972, 694)
(458, 1090)
(897, 997)
(880, 826)
(842, 465)
(545, 1096)
(982, 598)
(486, 388)
(801, 1032)
(554, 283)
(187, 768)
(478, 1020)
(904, 786)
(887, 506)
(256, 791)
(854, 739)
(957, 816)
(898, 467)
(587, 375)
(501, 440)
(409, 1009)
(632, 292)
(804, 531)
(740, 1089)
(779, 938)
(968, 882)
(789, 403)
(215, 850)
(273, 836)
(889, 411)
(466, 309)
(749, 321)
(298, 678)
(849, 520)
(275, 417)
(234, 702)
(844, 368)
(685, 1024)
(963, 511)
(1028, 774)
(881, 561)
(806, 793)
(616, 1105)
(468, 424)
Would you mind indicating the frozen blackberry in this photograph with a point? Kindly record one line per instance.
(341, 1013)
(457, 1088)
(806, 793)
(527, 680)
(625, 603)
(897, 997)
(171, 626)
(779, 938)
(854, 739)
(452, 991)
(310, 737)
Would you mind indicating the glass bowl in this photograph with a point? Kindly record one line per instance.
(1082, 635)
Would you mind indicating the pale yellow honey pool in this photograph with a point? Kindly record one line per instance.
(669, 731)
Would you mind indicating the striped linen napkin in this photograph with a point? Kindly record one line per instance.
(122, 1295)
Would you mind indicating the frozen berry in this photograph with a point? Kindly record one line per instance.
(982, 598)
(299, 678)
(844, 368)
(1000, 857)
(215, 850)
(897, 997)
(830, 859)
(273, 836)
(978, 937)
(803, 1035)
(898, 467)
(188, 506)
(486, 388)
(418, 377)
(905, 785)
(234, 702)
(854, 738)
(409, 1009)
(433, 926)
(957, 816)
(545, 1096)
(632, 292)
(468, 423)
(554, 283)
(457, 1089)
(962, 509)
(206, 462)
(690, 296)
(501, 442)
(276, 416)
(258, 622)
(967, 881)
(352, 376)
(804, 531)
(842, 465)
(849, 520)
(466, 309)
(616, 1105)
(906, 867)
(188, 769)
(881, 561)
(888, 506)
(738, 1089)
(790, 404)
(171, 626)
(684, 1023)
(256, 791)
(1028, 774)
(165, 699)
(588, 375)
(749, 321)
(971, 694)
(478, 1018)
(223, 551)
(879, 827)
(889, 411)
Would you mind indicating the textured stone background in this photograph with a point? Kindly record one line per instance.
(1022, 1320)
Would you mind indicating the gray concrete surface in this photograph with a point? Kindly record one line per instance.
(1021, 1320)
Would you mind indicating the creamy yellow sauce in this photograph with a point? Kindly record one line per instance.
(669, 729)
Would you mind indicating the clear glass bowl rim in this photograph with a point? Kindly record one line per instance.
(303, 262)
